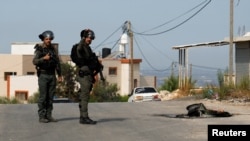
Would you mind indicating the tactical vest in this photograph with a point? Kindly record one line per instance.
(48, 64)
(85, 57)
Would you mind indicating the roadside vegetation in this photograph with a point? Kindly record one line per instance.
(104, 92)
(170, 84)
(34, 98)
(5, 100)
(227, 91)
(222, 91)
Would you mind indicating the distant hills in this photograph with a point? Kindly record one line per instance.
(203, 77)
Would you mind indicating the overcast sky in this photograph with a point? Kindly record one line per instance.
(166, 23)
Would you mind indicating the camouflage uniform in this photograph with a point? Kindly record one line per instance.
(46, 78)
(85, 77)
(84, 61)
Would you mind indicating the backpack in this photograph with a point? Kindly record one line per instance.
(73, 55)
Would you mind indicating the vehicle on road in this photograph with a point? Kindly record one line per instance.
(62, 100)
(143, 94)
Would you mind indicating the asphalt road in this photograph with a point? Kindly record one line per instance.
(149, 121)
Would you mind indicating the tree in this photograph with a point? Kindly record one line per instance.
(104, 92)
(170, 83)
(68, 88)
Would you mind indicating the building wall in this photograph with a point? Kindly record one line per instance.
(107, 63)
(16, 83)
(137, 75)
(242, 60)
(122, 78)
(9, 63)
(125, 80)
(148, 81)
(25, 48)
(27, 64)
(22, 65)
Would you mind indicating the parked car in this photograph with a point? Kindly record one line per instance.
(142, 94)
(62, 100)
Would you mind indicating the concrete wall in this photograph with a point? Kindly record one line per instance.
(23, 48)
(26, 48)
(9, 63)
(23, 83)
(242, 60)
(125, 80)
(148, 81)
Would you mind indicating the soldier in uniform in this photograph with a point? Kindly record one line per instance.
(47, 63)
(85, 74)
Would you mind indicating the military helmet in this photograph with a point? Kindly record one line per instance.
(87, 33)
(47, 34)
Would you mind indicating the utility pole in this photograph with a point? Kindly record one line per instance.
(130, 34)
(172, 69)
(231, 66)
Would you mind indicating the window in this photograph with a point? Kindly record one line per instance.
(145, 90)
(21, 95)
(30, 73)
(112, 71)
(6, 74)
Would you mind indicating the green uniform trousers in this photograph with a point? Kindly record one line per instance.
(47, 89)
(86, 84)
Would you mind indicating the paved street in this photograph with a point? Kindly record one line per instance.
(150, 121)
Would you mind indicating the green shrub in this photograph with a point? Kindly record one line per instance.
(34, 98)
(5, 100)
(244, 83)
(104, 92)
(170, 83)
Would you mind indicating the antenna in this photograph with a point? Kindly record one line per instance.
(239, 32)
(243, 30)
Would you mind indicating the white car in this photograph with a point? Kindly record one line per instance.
(142, 94)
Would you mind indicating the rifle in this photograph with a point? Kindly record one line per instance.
(97, 66)
(101, 76)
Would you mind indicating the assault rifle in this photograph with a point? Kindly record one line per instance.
(97, 66)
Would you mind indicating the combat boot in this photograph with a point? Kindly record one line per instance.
(51, 119)
(43, 120)
(87, 120)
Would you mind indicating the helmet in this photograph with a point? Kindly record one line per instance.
(46, 34)
(87, 33)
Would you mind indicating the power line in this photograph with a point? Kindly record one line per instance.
(177, 24)
(175, 18)
(108, 37)
(205, 67)
(144, 57)
(143, 33)
(152, 45)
